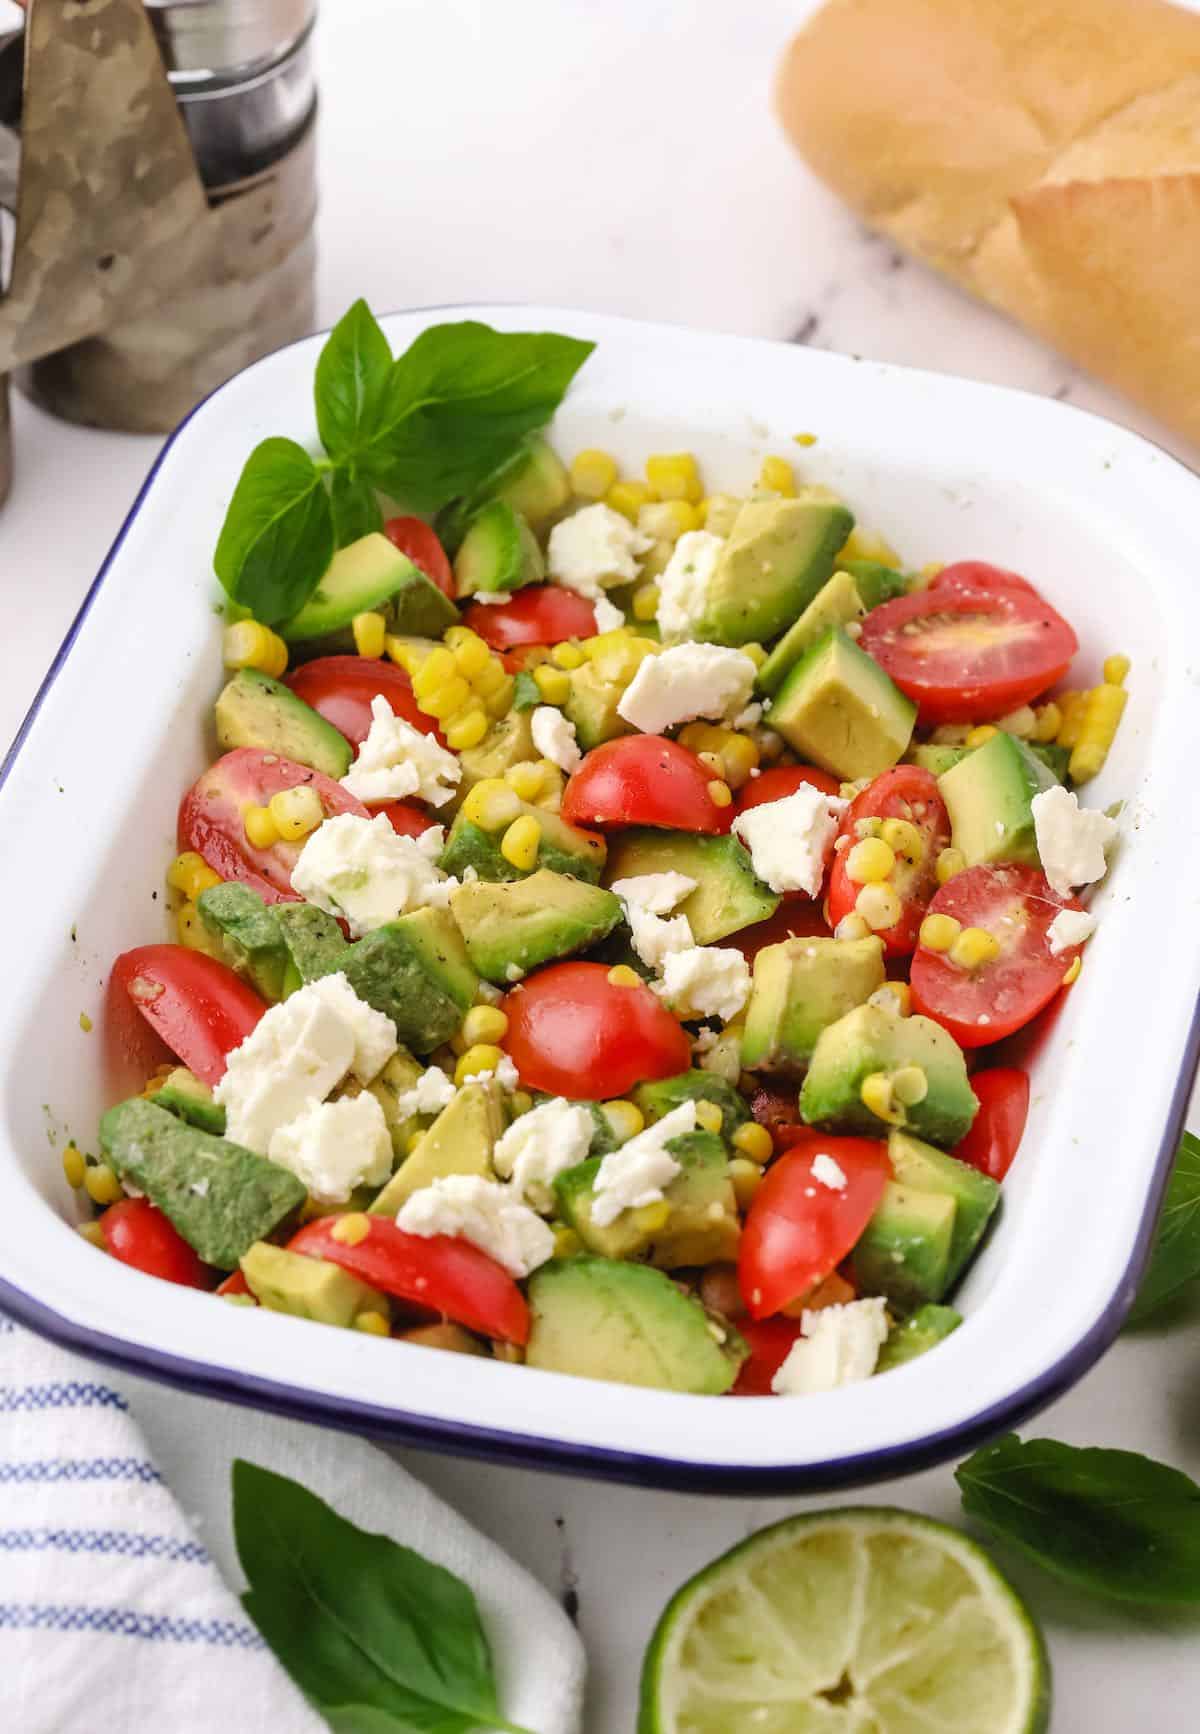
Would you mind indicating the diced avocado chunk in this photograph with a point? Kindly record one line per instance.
(871, 1040)
(838, 709)
(190, 1099)
(935, 758)
(219, 1196)
(696, 1223)
(661, 1097)
(904, 1251)
(415, 970)
(367, 576)
(460, 1141)
(1055, 758)
(314, 943)
(592, 706)
(521, 923)
(395, 1080)
(927, 1327)
(799, 988)
(255, 711)
(250, 936)
(499, 552)
(876, 583)
(989, 797)
(728, 894)
(596, 1318)
(918, 1165)
(835, 604)
(563, 849)
(508, 742)
(308, 1288)
(775, 559)
(533, 481)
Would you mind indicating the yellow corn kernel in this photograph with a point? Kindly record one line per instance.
(703, 737)
(260, 828)
(491, 805)
(592, 473)
(628, 498)
(879, 906)
(868, 545)
(94, 1235)
(453, 696)
(471, 654)
(910, 1086)
(1072, 706)
(893, 996)
(552, 683)
(413, 1142)
(938, 932)
(74, 1166)
(567, 656)
(484, 1023)
(371, 1323)
(746, 1177)
(521, 842)
(674, 476)
(553, 781)
(1101, 717)
(620, 975)
(949, 862)
(719, 793)
(870, 861)
(249, 644)
(755, 1142)
(974, 947)
(101, 1184)
(904, 840)
(805, 439)
(1072, 974)
(191, 930)
(668, 520)
(436, 670)
(739, 755)
(777, 475)
(483, 1057)
(645, 602)
(1115, 670)
(86, 1024)
(403, 652)
(1021, 722)
(720, 510)
(1047, 720)
(467, 729)
(567, 1243)
(652, 1218)
(851, 926)
(296, 812)
(713, 763)
(978, 736)
(876, 1096)
(625, 1118)
(191, 874)
(525, 779)
(493, 677)
(370, 633)
(709, 1117)
(351, 1229)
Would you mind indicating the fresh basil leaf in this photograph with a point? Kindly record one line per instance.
(353, 375)
(1113, 1522)
(277, 538)
(1175, 1259)
(527, 694)
(355, 504)
(381, 1640)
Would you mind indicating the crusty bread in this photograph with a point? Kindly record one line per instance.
(1043, 153)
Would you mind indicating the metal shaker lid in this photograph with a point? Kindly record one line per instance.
(217, 42)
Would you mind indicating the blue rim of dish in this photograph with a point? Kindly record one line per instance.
(526, 1450)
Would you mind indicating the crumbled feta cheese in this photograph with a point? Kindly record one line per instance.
(790, 840)
(839, 1346)
(432, 1092)
(361, 870)
(705, 1040)
(657, 892)
(296, 1053)
(594, 548)
(335, 1146)
(748, 718)
(686, 681)
(513, 972)
(636, 1173)
(683, 584)
(654, 939)
(554, 737)
(608, 616)
(1070, 927)
(705, 981)
(540, 1146)
(505, 1075)
(827, 1172)
(1070, 839)
(491, 598)
(487, 1214)
(374, 1034)
(396, 760)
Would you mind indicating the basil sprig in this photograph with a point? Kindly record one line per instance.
(1175, 1261)
(424, 428)
(379, 1639)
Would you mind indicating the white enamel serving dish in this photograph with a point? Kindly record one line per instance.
(1106, 524)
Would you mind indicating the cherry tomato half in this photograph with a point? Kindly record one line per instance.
(798, 917)
(414, 537)
(138, 1233)
(995, 1134)
(980, 575)
(797, 1228)
(539, 614)
(340, 688)
(201, 1009)
(784, 780)
(1016, 906)
(406, 819)
(644, 780)
(967, 650)
(571, 1032)
(770, 1342)
(908, 793)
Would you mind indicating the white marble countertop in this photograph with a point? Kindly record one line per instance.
(623, 157)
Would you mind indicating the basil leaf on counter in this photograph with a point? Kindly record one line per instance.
(353, 375)
(277, 539)
(355, 507)
(1175, 1260)
(1112, 1522)
(379, 1639)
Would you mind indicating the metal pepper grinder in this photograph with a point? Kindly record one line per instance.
(159, 158)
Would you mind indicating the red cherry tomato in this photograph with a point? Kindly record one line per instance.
(137, 1233)
(447, 1275)
(1016, 906)
(903, 793)
(340, 688)
(198, 1006)
(980, 575)
(539, 614)
(644, 780)
(406, 819)
(970, 648)
(797, 1229)
(995, 1135)
(798, 917)
(211, 818)
(571, 1032)
(770, 1342)
(784, 780)
(414, 537)
(235, 1283)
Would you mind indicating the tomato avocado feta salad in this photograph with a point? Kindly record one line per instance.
(593, 930)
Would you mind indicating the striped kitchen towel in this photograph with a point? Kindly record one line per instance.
(116, 1612)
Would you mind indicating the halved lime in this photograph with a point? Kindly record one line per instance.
(865, 1620)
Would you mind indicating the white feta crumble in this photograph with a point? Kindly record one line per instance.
(554, 737)
(296, 1053)
(1070, 927)
(657, 892)
(608, 616)
(748, 718)
(839, 1346)
(335, 1146)
(396, 760)
(636, 1173)
(1071, 839)
(361, 870)
(374, 1034)
(686, 681)
(790, 840)
(432, 1092)
(199, 1188)
(505, 1075)
(705, 1040)
(513, 972)
(683, 584)
(540, 1146)
(705, 981)
(827, 1172)
(468, 1207)
(491, 598)
(594, 548)
(654, 939)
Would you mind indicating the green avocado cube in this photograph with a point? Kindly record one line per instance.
(416, 971)
(592, 707)
(838, 709)
(835, 604)
(255, 711)
(976, 1196)
(799, 987)
(904, 1251)
(314, 943)
(188, 1098)
(989, 796)
(728, 895)
(308, 1288)
(517, 925)
(659, 1098)
(369, 575)
(701, 1217)
(460, 1141)
(776, 558)
(563, 848)
(249, 935)
(873, 1040)
(911, 1337)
